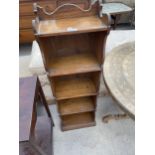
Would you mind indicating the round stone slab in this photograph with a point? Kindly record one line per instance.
(119, 75)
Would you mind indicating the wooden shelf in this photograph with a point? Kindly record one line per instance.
(72, 40)
(74, 87)
(78, 63)
(70, 26)
(74, 106)
(77, 121)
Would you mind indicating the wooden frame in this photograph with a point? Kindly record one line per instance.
(34, 128)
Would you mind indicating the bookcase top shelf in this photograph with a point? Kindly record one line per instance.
(68, 26)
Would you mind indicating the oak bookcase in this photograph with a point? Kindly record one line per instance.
(72, 36)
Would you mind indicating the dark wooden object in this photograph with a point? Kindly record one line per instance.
(35, 131)
(26, 16)
(72, 38)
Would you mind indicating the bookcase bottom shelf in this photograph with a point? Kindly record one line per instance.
(78, 121)
(78, 105)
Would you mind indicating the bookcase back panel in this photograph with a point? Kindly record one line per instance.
(66, 45)
(68, 11)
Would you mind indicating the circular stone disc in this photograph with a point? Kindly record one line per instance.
(119, 74)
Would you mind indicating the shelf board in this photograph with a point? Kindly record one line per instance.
(79, 63)
(74, 106)
(70, 26)
(74, 87)
(77, 121)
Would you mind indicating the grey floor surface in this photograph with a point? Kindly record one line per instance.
(113, 138)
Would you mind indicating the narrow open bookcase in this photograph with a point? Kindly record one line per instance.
(72, 36)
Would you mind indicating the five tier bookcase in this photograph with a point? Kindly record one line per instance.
(72, 35)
